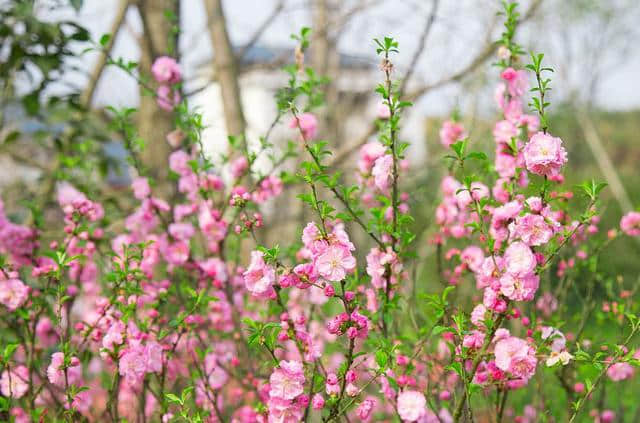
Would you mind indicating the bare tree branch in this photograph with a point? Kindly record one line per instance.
(94, 78)
(484, 54)
(261, 29)
(421, 44)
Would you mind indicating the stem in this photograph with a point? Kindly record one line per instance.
(476, 363)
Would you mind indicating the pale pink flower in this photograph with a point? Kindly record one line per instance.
(167, 98)
(335, 263)
(516, 81)
(259, 276)
(620, 371)
(519, 288)
(451, 132)
(141, 189)
(13, 293)
(504, 131)
(365, 408)
(287, 381)
(166, 70)
(382, 172)
(369, 153)
(630, 223)
(544, 155)
(15, 383)
(133, 364)
(473, 257)
(519, 259)
(55, 371)
(383, 111)
(411, 405)
(478, 315)
(308, 125)
(284, 411)
(515, 356)
(239, 166)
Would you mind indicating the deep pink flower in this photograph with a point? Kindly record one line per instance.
(544, 155)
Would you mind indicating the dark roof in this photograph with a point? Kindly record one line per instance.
(260, 54)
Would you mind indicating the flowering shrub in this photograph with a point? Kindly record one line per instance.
(178, 313)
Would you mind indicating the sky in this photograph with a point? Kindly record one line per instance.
(458, 34)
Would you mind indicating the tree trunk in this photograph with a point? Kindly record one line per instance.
(153, 122)
(225, 69)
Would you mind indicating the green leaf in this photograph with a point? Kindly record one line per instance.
(104, 40)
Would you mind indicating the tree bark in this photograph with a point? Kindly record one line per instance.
(153, 122)
(225, 68)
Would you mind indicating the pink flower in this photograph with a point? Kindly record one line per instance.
(515, 356)
(259, 276)
(141, 188)
(335, 263)
(166, 70)
(167, 98)
(369, 153)
(620, 371)
(317, 402)
(516, 81)
(365, 409)
(519, 259)
(503, 131)
(544, 155)
(287, 381)
(383, 111)
(308, 125)
(519, 288)
(451, 132)
(478, 315)
(473, 257)
(382, 172)
(133, 364)
(15, 383)
(284, 411)
(114, 335)
(181, 231)
(411, 405)
(239, 166)
(532, 229)
(55, 371)
(630, 223)
(13, 293)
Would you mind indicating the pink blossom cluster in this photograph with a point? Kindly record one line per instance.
(166, 72)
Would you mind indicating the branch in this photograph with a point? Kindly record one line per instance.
(261, 29)
(483, 56)
(87, 94)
